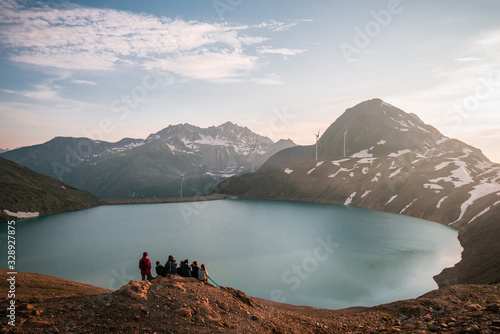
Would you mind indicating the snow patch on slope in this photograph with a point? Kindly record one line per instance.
(406, 207)
(340, 170)
(483, 212)
(479, 191)
(349, 199)
(438, 205)
(362, 154)
(391, 199)
(458, 177)
(337, 162)
(21, 214)
(393, 155)
(366, 193)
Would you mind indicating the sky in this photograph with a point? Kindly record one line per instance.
(112, 69)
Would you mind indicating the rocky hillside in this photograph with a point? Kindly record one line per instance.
(198, 158)
(184, 305)
(395, 163)
(26, 193)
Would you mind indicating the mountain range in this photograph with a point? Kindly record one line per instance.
(179, 156)
(374, 155)
(393, 162)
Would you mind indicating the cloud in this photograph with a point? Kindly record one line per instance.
(280, 51)
(77, 38)
(83, 82)
(214, 66)
(42, 93)
(466, 59)
(270, 79)
(276, 26)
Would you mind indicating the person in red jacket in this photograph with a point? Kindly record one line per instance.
(145, 266)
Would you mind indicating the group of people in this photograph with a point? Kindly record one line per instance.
(171, 268)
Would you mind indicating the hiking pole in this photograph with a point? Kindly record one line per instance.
(214, 282)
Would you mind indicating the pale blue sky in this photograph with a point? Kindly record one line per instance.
(114, 69)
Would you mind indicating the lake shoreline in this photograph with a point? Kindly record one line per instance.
(319, 247)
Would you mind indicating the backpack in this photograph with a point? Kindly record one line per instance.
(142, 265)
(173, 268)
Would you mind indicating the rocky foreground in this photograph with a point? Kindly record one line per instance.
(47, 304)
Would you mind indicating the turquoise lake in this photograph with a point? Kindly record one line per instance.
(294, 252)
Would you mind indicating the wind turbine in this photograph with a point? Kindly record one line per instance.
(253, 154)
(317, 138)
(182, 183)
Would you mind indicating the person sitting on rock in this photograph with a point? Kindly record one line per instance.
(185, 272)
(170, 266)
(159, 269)
(203, 273)
(145, 266)
(194, 269)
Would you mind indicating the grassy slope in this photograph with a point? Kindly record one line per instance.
(24, 190)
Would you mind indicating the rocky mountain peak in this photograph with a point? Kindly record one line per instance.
(227, 132)
(378, 127)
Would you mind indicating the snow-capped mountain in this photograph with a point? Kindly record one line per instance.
(225, 150)
(155, 166)
(393, 162)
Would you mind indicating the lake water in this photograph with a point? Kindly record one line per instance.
(299, 253)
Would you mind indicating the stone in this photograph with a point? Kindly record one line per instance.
(179, 286)
(40, 323)
(474, 307)
(184, 312)
(136, 290)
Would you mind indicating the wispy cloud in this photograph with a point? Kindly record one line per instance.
(276, 26)
(280, 51)
(83, 82)
(214, 66)
(41, 92)
(79, 38)
(467, 59)
(270, 79)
